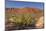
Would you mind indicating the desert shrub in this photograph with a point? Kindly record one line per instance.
(21, 19)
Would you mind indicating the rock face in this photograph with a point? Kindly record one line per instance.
(40, 22)
(23, 10)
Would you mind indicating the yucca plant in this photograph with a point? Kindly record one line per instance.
(22, 19)
(28, 19)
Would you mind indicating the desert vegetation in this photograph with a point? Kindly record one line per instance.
(22, 17)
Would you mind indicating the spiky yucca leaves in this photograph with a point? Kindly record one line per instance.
(21, 19)
(28, 19)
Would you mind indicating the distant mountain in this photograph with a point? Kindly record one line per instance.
(23, 10)
(34, 11)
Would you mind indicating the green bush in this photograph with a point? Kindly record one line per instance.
(22, 19)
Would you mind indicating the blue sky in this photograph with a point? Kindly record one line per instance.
(19, 4)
